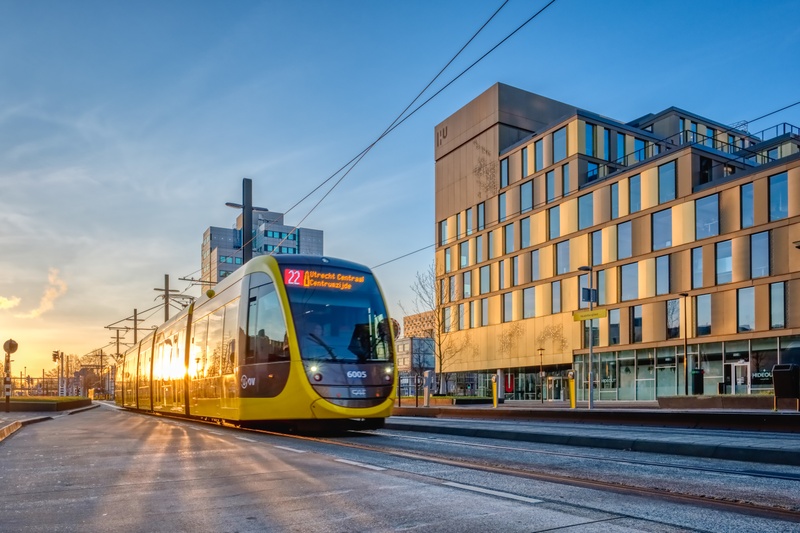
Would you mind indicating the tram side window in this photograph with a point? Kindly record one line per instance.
(216, 348)
(229, 337)
(198, 359)
(267, 339)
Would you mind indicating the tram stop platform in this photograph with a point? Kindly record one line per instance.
(14, 420)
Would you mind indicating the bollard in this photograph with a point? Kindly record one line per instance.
(571, 376)
(494, 391)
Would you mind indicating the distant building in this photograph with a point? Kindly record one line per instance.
(687, 229)
(221, 250)
(415, 355)
(419, 325)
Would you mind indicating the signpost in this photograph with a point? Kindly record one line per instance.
(10, 346)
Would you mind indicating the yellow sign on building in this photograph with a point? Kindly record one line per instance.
(577, 316)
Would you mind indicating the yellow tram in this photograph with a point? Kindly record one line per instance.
(285, 338)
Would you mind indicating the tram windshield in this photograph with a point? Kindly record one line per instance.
(339, 315)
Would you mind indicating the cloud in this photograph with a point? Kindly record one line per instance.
(9, 303)
(56, 288)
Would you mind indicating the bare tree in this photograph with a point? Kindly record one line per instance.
(429, 300)
(485, 172)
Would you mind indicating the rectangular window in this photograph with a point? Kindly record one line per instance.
(711, 133)
(538, 155)
(706, 217)
(778, 196)
(481, 216)
(504, 172)
(702, 304)
(507, 308)
(748, 207)
(591, 332)
(583, 283)
(597, 247)
(463, 253)
(590, 139)
(724, 262)
(562, 257)
(526, 197)
(555, 305)
(515, 270)
(636, 323)
(559, 145)
(565, 179)
(673, 319)
(614, 201)
(601, 287)
(759, 254)
(469, 221)
(466, 283)
(453, 295)
(485, 280)
(613, 326)
(585, 211)
(472, 314)
(508, 230)
(662, 275)
(591, 171)
(443, 232)
(629, 282)
(697, 268)
(447, 263)
(485, 312)
(479, 255)
(524, 155)
(635, 192)
(446, 320)
(460, 316)
(777, 305)
(525, 232)
(490, 244)
(621, 149)
(501, 207)
(666, 182)
(550, 186)
(501, 274)
(624, 240)
(746, 310)
(606, 144)
(554, 219)
(442, 291)
(662, 229)
(638, 150)
(528, 303)
(535, 266)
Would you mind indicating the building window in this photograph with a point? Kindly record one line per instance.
(515, 270)
(479, 255)
(535, 276)
(538, 155)
(446, 320)
(704, 172)
(524, 155)
(526, 197)
(485, 312)
(583, 283)
(591, 171)
(778, 197)
(624, 240)
(507, 308)
(447, 264)
(711, 133)
(629, 282)
(621, 149)
(635, 192)
(460, 316)
(550, 186)
(591, 327)
(525, 232)
(485, 286)
(702, 304)
(565, 179)
(662, 229)
(759, 254)
(562, 257)
(453, 295)
(504, 173)
(590, 139)
(463, 253)
(697, 268)
(442, 291)
(490, 244)
(666, 182)
(559, 144)
(466, 283)
(613, 326)
(606, 144)
(528, 303)
(601, 287)
(443, 232)
(554, 216)
(481, 216)
(458, 226)
(745, 310)
(597, 247)
(472, 314)
(673, 319)
(638, 150)
(724, 262)
(508, 230)
(555, 304)
(469, 221)
(777, 305)
(501, 274)
(662, 275)
(706, 217)
(636, 323)
(614, 201)
(501, 207)
(748, 207)
(585, 211)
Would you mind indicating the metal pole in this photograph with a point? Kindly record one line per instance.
(135, 326)
(685, 346)
(166, 297)
(541, 374)
(247, 220)
(62, 378)
(591, 342)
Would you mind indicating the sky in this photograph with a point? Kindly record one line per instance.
(126, 126)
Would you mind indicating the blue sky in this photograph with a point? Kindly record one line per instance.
(126, 126)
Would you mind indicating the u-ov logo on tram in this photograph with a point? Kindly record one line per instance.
(247, 381)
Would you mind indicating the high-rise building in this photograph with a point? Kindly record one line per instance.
(221, 251)
(686, 229)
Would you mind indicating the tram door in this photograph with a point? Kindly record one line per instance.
(555, 388)
(737, 378)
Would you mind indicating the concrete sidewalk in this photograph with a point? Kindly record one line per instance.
(15, 420)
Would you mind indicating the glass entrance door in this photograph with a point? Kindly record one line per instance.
(737, 378)
(555, 388)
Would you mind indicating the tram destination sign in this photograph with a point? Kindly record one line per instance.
(320, 279)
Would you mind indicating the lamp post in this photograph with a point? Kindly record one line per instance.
(685, 346)
(591, 334)
(541, 373)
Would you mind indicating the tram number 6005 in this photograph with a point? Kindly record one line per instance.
(356, 374)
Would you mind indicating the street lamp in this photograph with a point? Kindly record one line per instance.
(541, 374)
(685, 346)
(591, 334)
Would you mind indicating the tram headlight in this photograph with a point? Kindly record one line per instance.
(313, 368)
(317, 377)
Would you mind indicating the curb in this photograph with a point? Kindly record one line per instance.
(9, 430)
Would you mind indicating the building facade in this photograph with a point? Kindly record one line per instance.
(221, 250)
(687, 230)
